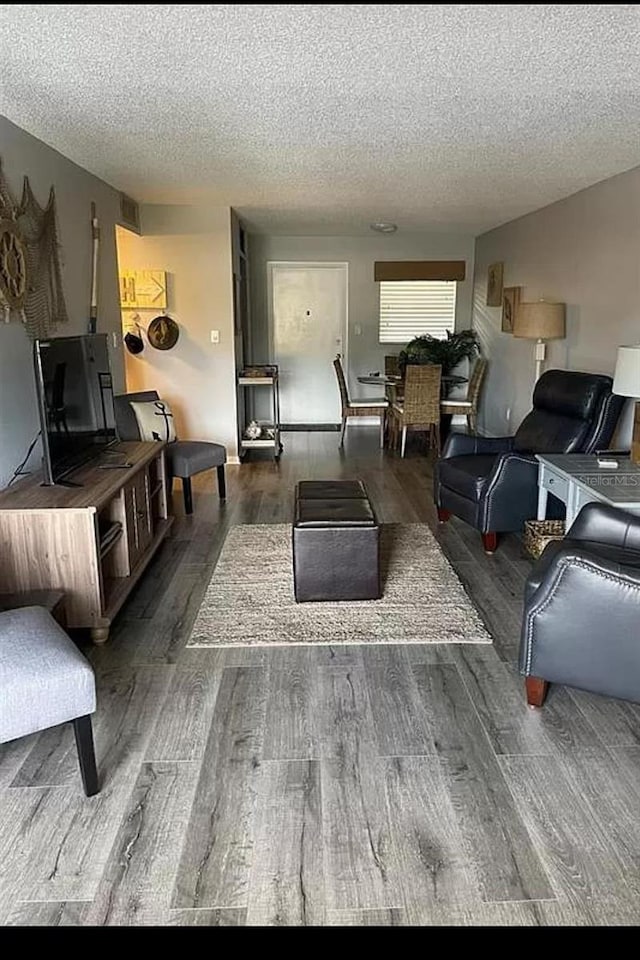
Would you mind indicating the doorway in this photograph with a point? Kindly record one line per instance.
(308, 324)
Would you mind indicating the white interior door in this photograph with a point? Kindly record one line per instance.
(308, 303)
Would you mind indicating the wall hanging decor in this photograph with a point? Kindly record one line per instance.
(30, 276)
(494, 284)
(133, 340)
(143, 289)
(510, 304)
(163, 333)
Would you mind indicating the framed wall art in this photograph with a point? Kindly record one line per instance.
(494, 284)
(510, 303)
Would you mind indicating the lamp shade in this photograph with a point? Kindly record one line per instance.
(626, 379)
(540, 320)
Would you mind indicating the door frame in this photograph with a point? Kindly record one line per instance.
(306, 264)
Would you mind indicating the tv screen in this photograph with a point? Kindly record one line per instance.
(75, 396)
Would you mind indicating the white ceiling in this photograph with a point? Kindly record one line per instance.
(323, 118)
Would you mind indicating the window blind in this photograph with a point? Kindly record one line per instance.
(413, 308)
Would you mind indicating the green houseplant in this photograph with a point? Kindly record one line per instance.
(447, 353)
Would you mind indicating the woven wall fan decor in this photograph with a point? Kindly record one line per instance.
(30, 277)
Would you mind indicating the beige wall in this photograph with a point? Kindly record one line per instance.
(197, 377)
(584, 251)
(364, 352)
(22, 155)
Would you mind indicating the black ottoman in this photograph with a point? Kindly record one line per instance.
(335, 542)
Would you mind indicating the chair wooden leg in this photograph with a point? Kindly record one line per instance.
(536, 690)
(344, 427)
(443, 515)
(472, 424)
(490, 542)
(404, 441)
(86, 755)
(382, 424)
(187, 494)
(435, 427)
(222, 484)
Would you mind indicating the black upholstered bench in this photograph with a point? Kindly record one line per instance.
(335, 542)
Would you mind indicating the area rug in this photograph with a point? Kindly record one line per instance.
(250, 602)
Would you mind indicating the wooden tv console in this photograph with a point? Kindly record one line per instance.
(63, 538)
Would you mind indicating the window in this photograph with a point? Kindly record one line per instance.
(412, 308)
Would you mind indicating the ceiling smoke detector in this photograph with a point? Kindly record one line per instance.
(383, 227)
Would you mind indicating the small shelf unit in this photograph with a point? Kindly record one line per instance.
(271, 430)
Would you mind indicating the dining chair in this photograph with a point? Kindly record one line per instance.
(391, 369)
(358, 408)
(420, 406)
(469, 407)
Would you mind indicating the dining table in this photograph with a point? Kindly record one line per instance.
(382, 379)
(448, 379)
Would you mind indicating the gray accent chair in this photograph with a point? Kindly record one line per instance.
(582, 607)
(185, 458)
(45, 681)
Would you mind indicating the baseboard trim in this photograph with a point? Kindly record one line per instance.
(234, 461)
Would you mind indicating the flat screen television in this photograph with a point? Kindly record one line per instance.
(75, 399)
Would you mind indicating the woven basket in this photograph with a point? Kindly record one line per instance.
(538, 533)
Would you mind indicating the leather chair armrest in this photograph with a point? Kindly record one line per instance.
(580, 626)
(459, 444)
(511, 495)
(604, 524)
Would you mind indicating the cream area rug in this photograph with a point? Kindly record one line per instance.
(250, 602)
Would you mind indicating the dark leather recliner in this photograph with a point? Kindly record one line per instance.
(492, 482)
(582, 600)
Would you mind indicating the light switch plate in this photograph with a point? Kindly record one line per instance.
(215, 336)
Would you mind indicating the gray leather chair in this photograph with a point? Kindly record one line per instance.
(492, 482)
(185, 458)
(582, 609)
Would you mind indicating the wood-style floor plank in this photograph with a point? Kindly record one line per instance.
(231, 917)
(358, 856)
(579, 859)
(289, 732)
(506, 864)
(185, 718)
(287, 885)
(217, 856)
(431, 857)
(399, 720)
(135, 887)
(497, 692)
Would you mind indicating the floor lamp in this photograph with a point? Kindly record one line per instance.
(540, 320)
(626, 383)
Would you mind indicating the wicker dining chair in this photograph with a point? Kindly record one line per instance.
(358, 408)
(420, 406)
(469, 407)
(391, 369)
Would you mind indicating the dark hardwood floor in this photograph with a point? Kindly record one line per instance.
(333, 785)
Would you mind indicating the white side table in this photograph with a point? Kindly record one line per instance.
(576, 479)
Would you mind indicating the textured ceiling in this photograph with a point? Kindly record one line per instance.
(323, 118)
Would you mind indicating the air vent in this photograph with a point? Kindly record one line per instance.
(129, 212)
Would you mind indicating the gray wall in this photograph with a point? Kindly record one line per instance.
(584, 251)
(75, 189)
(364, 352)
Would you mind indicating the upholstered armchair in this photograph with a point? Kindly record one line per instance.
(492, 482)
(582, 599)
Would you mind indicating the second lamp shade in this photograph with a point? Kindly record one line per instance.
(540, 320)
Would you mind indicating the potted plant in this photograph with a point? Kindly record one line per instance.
(446, 353)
